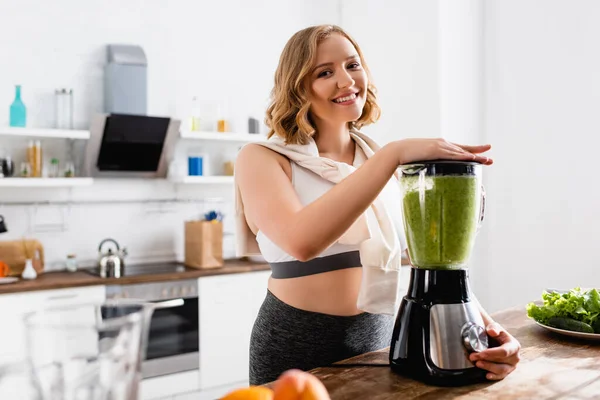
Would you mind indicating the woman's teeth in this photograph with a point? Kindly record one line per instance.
(347, 98)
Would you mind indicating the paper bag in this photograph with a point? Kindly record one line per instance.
(203, 244)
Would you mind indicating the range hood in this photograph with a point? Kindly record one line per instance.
(130, 146)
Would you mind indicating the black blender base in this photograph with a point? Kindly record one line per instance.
(444, 378)
(411, 347)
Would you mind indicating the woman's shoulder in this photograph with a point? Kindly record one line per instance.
(254, 156)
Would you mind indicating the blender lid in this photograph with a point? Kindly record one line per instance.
(459, 162)
(435, 167)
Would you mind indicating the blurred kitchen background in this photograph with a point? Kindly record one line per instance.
(518, 75)
(521, 75)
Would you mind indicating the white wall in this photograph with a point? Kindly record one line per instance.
(541, 115)
(460, 68)
(399, 39)
(461, 72)
(518, 75)
(216, 50)
(538, 91)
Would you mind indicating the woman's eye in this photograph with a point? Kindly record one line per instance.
(354, 65)
(323, 73)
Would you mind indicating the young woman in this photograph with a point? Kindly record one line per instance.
(299, 214)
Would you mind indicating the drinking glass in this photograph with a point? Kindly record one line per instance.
(88, 352)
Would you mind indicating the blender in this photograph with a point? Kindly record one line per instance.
(439, 322)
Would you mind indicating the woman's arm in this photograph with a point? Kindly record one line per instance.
(271, 204)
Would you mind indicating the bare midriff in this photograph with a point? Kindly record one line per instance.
(333, 293)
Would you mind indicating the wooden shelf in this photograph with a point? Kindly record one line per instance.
(223, 136)
(204, 180)
(45, 133)
(45, 182)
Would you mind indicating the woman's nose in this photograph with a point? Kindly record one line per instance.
(345, 80)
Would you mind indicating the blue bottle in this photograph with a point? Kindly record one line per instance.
(18, 112)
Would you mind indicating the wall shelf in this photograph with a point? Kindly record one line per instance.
(222, 136)
(45, 182)
(204, 180)
(45, 133)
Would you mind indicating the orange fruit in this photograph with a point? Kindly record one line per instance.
(299, 385)
(250, 393)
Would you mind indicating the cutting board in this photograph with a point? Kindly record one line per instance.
(13, 253)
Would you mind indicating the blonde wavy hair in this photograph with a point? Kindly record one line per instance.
(288, 114)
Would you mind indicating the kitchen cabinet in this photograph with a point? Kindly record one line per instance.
(15, 306)
(228, 306)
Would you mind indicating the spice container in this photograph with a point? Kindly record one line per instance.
(222, 123)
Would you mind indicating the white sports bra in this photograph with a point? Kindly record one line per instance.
(309, 187)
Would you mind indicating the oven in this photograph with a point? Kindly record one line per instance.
(173, 337)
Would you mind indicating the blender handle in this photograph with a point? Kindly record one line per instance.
(482, 208)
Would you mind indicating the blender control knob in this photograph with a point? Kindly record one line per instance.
(474, 337)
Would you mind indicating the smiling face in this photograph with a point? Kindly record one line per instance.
(321, 82)
(338, 83)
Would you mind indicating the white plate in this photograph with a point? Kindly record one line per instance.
(8, 279)
(580, 335)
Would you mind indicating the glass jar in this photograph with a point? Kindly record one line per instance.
(442, 205)
(71, 263)
(69, 169)
(64, 108)
(25, 170)
(53, 168)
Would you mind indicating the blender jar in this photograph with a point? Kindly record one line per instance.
(442, 206)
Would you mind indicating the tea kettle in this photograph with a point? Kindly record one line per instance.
(111, 263)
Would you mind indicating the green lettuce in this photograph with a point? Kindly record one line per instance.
(578, 304)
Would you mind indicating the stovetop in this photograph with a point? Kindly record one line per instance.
(146, 269)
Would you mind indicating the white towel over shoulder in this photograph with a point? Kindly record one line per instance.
(380, 243)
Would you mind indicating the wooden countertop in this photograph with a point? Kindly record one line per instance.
(63, 279)
(552, 367)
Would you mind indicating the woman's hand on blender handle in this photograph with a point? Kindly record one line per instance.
(411, 150)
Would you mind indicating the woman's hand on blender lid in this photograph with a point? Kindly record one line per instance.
(411, 150)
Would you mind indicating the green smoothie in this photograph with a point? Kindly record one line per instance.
(441, 219)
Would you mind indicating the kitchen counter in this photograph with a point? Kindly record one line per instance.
(63, 279)
(551, 367)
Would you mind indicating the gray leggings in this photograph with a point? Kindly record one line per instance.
(285, 337)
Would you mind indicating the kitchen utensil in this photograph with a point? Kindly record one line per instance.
(88, 351)
(439, 323)
(111, 263)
